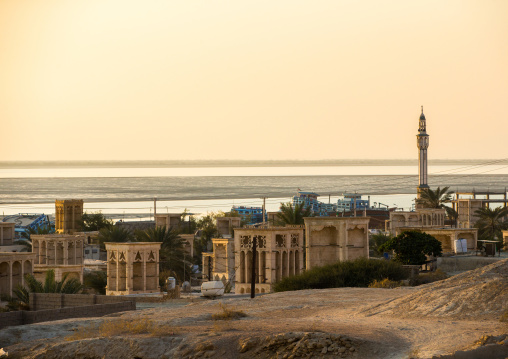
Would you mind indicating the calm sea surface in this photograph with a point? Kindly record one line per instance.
(128, 192)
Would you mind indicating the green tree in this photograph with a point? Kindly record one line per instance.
(292, 215)
(50, 285)
(438, 199)
(377, 240)
(412, 247)
(95, 221)
(491, 222)
(172, 253)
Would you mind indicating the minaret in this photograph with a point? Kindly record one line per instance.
(422, 141)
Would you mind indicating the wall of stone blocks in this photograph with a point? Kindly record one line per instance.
(44, 301)
(31, 317)
(9, 319)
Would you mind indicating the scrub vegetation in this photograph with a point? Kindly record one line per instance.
(358, 273)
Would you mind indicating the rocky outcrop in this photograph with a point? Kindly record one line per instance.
(293, 345)
(478, 294)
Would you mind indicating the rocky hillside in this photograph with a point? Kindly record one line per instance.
(480, 293)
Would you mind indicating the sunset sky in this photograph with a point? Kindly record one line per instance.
(172, 80)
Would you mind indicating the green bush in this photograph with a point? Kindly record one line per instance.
(358, 273)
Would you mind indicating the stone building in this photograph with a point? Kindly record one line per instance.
(133, 268)
(422, 217)
(68, 213)
(332, 239)
(505, 239)
(13, 267)
(64, 253)
(220, 263)
(7, 234)
(447, 236)
(169, 220)
(279, 254)
(466, 208)
(225, 225)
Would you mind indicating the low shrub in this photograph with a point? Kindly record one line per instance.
(358, 273)
(227, 313)
(504, 317)
(430, 277)
(386, 283)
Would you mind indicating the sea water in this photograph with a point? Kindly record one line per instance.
(127, 192)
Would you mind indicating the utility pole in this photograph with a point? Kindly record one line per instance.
(154, 206)
(355, 203)
(253, 265)
(263, 214)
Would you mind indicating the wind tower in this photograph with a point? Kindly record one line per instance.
(422, 141)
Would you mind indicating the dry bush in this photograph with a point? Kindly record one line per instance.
(504, 316)
(386, 283)
(425, 278)
(121, 326)
(227, 313)
(413, 354)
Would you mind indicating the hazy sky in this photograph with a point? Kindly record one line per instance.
(133, 80)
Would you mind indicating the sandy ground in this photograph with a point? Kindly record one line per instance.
(341, 311)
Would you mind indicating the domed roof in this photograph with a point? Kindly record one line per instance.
(422, 116)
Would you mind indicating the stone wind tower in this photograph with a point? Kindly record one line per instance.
(422, 141)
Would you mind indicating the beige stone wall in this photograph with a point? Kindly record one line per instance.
(332, 239)
(63, 253)
(466, 209)
(422, 217)
(279, 254)
(505, 239)
(133, 268)
(168, 220)
(226, 224)
(13, 267)
(188, 244)
(68, 213)
(7, 236)
(223, 259)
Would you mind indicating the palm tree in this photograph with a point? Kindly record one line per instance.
(114, 234)
(95, 221)
(491, 222)
(96, 281)
(438, 199)
(50, 285)
(292, 215)
(172, 253)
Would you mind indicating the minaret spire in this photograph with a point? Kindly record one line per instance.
(422, 142)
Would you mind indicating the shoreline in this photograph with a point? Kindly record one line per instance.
(238, 163)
